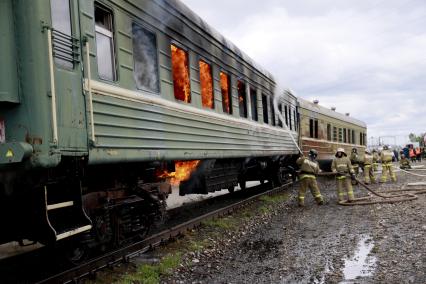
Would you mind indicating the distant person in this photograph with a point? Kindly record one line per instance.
(404, 163)
(342, 166)
(309, 169)
(412, 154)
(406, 151)
(395, 153)
(376, 159)
(418, 154)
(368, 168)
(387, 166)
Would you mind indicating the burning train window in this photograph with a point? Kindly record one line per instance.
(105, 43)
(253, 102)
(242, 99)
(180, 67)
(226, 93)
(272, 112)
(206, 83)
(61, 22)
(145, 57)
(265, 109)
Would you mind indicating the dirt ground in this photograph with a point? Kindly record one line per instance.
(381, 243)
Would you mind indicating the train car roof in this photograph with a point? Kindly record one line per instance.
(197, 20)
(328, 112)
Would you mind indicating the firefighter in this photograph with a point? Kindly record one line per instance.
(386, 157)
(404, 163)
(309, 169)
(368, 170)
(376, 159)
(342, 166)
(355, 160)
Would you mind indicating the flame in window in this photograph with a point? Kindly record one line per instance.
(183, 171)
(180, 72)
(206, 83)
(224, 86)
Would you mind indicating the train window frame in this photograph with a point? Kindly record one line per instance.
(340, 135)
(271, 101)
(61, 63)
(335, 134)
(289, 118)
(209, 63)
(245, 109)
(112, 42)
(265, 111)
(253, 103)
(187, 51)
(145, 27)
(349, 136)
(329, 138)
(228, 75)
(280, 109)
(311, 127)
(353, 137)
(344, 136)
(316, 128)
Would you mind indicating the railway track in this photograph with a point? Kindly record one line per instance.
(90, 268)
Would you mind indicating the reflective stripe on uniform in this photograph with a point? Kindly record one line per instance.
(341, 177)
(301, 197)
(318, 196)
(306, 176)
(341, 193)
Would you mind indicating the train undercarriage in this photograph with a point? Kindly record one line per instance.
(82, 209)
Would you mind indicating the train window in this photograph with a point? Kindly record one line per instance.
(335, 133)
(296, 122)
(340, 135)
(328, 131)
(61, 22)
(316, 128)
(311, 128)
(180, 67)
(349, 136)
(253, 102)
(344, 136)
(286, 115)
(206, 84)
(105, 43)
(226, 93)
(272, 111)
(289, 119)
(242, 98)
(145, 56)
(360, 139)
(280, 109)
(265, 109)
(353, 137)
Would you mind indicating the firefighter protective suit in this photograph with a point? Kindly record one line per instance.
(368, 168)
(387, 166)
(309, 169)
(355, 160)
(343, 167)
(376, 159)
(404, 163)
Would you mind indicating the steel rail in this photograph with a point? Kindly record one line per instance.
(124, 254)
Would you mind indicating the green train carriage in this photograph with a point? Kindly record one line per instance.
(97, 97)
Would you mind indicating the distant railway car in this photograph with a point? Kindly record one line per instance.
(101, 100)
(325, 130)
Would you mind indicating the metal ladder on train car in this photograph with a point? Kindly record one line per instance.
(62, 213)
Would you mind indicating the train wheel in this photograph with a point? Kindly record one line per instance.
(281, 176)
(242, 183)
(231, 189)
(75, 253)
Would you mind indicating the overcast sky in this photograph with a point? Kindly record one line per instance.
(366, 57)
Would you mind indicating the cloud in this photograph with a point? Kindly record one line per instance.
(364, 57)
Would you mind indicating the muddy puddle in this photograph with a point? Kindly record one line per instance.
(362, 264)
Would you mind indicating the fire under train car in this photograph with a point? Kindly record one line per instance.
(101, 100)
(325, 130)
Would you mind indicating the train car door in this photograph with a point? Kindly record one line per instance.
(68, 60)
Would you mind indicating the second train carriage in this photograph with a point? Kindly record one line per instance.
(325, 130)
(99, 97)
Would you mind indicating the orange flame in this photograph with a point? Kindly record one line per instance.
(182, 173)
(224, 86)
(180, 69)
(206, 82)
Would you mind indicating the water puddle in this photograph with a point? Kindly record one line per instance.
(362, 264)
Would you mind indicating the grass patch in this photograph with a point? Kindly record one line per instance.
(151, 273)
(225, 223)
(274, 199)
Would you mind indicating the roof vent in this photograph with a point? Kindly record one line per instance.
(347, 114)
(333, 108)
(316, 102)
